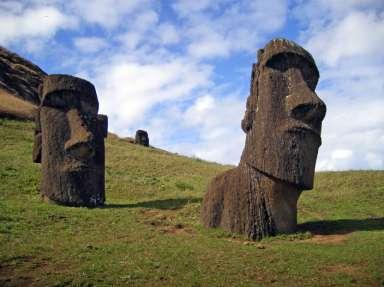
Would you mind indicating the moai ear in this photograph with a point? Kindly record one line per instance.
(102, 125)
(251, 106)
(246, 123)
(260, 53)
(37, 145)
(40, 91)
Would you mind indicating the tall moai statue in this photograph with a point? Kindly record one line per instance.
(282, 123)
(69, 142)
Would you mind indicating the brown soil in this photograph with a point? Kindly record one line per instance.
(164, 222)
(8, 276)
(26, 271)
(177, 229)
(345, 269)
(328, 239)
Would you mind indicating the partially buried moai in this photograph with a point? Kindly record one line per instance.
(142, 138)
(282, 123)
(69, 142)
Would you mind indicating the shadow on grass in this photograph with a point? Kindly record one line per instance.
(171, 203)
(342, 226)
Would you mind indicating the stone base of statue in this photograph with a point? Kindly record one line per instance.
(245, 201)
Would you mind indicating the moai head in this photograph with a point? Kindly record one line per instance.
(284, 115)
(69, 142)
(141, 138)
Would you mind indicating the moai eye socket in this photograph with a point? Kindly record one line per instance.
(63, 100)
(283, 62)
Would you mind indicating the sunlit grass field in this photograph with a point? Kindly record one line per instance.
(149, 233)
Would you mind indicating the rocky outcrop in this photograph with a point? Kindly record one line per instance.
(19, 82)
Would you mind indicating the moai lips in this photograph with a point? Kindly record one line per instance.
(69, 142)
(283, 124)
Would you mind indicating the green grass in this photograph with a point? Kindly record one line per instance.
(149, 233)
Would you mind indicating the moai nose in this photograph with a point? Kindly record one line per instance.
(304, 105)
(80, 143)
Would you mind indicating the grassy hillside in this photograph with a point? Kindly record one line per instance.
(11, 106)
(149, 233)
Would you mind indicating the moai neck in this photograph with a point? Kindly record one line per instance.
(281, 199)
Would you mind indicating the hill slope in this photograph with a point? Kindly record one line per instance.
(149, 233)
(19, 82)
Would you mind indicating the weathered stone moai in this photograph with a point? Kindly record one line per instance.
(69, 142)
(142, 138)
(282, 123)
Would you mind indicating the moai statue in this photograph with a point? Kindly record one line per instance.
(69, 142)
(282, 123)
(142, 138)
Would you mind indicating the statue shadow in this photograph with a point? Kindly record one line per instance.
(342, 226)
(170, 203)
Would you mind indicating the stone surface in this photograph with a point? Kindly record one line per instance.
(282, 123)
(19, 82)
(69, 142)
(142, 138)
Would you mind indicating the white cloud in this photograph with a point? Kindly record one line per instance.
(106, 13)
(197, 113)
(11, 7)
(165, 74)
(217, 121)
(38, 23)
(209, 43)
(129, 89)
(186, 7)
(145, 20)
(90, 44)
(345, 40)
(219, 28)
(139, 29)
(353, 134)
(340, 154)
(358, 34)
(168, 34)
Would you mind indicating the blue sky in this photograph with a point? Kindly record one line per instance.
(181, 69)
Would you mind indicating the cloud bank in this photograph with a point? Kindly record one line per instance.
(181, 69)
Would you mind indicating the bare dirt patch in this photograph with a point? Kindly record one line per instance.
(177, 229)
(9, 276)
(165, 221)
(327, 239)
(341, 268)
(24, 270)
(257, 244)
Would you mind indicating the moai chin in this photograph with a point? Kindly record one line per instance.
(142, 138)
(282, 123)
(69, 142)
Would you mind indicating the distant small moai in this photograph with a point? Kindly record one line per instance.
(69, 142)
(142, 138)
(282, 123)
